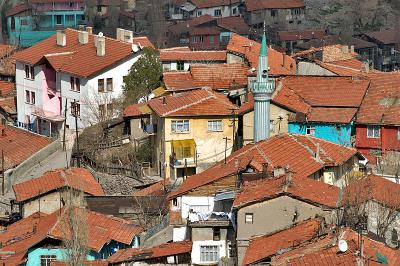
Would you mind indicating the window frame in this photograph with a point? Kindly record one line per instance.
(75, 84)
(215, 125)
(180, 65)
(250, 215)
(45, 260)
(100, 81)
(76, 105)
(217, 11)
(182, 124)
(108, 86)
(209, 253)
(375, 129)
(310, 130)
(27, 96)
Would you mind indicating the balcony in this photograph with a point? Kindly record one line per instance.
(150, 129)
(183, 153)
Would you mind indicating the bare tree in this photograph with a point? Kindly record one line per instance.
(151, 209)
(74, 226)
(389, 164)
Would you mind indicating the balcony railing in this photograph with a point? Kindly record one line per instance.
(182, 162)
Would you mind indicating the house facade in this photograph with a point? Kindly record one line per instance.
(50, 91)
(30, 23)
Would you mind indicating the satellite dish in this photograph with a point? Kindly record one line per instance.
(101, 34)
(343, 245)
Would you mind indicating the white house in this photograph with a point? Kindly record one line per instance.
(72, 72)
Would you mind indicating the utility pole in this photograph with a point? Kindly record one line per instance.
(2, 172)
(226, 146)
(76, 133)
(233, 120)
(65, 124)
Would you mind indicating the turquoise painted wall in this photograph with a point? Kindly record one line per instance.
(340, 134)
(108, 249)
(28, 38)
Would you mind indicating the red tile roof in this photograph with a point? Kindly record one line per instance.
(206, 56)
(24, 234)
(202, 102)
(300, 35)
(136, 110)
(375, 188)
(279, 63)
(322, 99)
(7, 89)
(139, 254)
(17, 9)
(187, 26)
(380, 105)
(143, 41)
(213, 3)
(176, 81)
(219, 76)
(156, 189)
(322, 252)
(266, 246)
(253, 5)
(18, 145)
(350, 67)
(9, 105)
(277, 151)
(234, 24)
(210, 30)
(77, 178)
(391, 36)
(76, 58)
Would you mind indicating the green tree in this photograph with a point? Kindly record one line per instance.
(144, 76)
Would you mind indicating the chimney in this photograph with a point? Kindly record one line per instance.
(345, 49)
(61, 38)
(365, 67)
(81, 27)
(89, 30)
(164, 101)
(3, 132)
(352, 49)
(265, 170)
(120, 34)
(83, 37)
(317, 153)
(101, 45)
(128, 36)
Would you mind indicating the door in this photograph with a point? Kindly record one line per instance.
(58, 19)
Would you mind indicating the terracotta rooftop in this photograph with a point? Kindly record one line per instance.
(305, 189)
(178, 55)
(9, 105)
(253, 5)
(17, 238)
(335, 39)
(178, 81)
(7, 89)
(140, 254)
(391, 36)
(234, 24)
(186, 26)
(277, 151)
(219, 76)
(328, 53)
(137, 110)
(17, 9)
(143, 41)
(323, 99)
(77, 178)
(18, 145)
(260, 248)
(349, 68)
(203, 102)
(381, 103)
(321, 252)
(85, 263)
(156, 189)
(213, 3)
(76, 58)
(375, 188)
(300, 35)
(279, 63)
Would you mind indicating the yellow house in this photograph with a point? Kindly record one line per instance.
(195, 129)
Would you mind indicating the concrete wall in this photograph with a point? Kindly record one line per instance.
(196, 250)
(46, 204)
(307, 68)
(271, 216)
(226, 11)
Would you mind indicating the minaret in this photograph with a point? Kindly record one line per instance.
(262, 92)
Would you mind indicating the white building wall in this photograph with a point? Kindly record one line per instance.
(179, 233)
(226, 11)
(199, 204)
(196, 258)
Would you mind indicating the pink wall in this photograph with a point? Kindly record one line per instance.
(60, 7)
(51, 103)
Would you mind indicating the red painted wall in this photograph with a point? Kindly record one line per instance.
(206, 44)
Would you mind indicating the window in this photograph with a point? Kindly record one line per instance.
(58, 19)
(12, 23)
(211, 39)
(75, 109)
(296, 11)
(217, 234)
(102, 110)
(27, 96)
(248, 218)
(199, 13)
(175, 202)
(23, 22)
(99, 9)
(75, 84)
(33, 97)
(373, 131)
(110, 109)
(180, 65)
(201, 38)
(180, 126)
(274, 12)
(29, 72)
(215, 125)
(109, 84)
(69, 18)
(100, 85)
(32, 72)
(310, 130)
(217, 13)
(234, 11)
(395, 237)
(45, 260)
(209, 253)
(195, 39)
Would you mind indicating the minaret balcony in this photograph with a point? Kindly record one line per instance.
(267, 87)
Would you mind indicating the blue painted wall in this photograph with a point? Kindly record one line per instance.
(337, 133)
(108, 249)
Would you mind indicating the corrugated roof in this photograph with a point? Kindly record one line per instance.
(300, 35)
(17, 9)
(391, 36)
(77, 178)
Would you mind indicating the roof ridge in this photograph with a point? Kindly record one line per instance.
(263, 154)
(320, 149)
(305, 147)
(191, 104)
